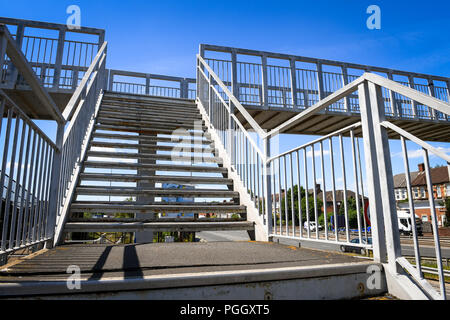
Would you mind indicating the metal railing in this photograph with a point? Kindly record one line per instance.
(58, 61)
(288, 177)
(81, 112)
(142, 84)
(27, 165)
(296, 83)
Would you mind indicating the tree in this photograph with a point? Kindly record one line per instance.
(352, 212)
(303, 205)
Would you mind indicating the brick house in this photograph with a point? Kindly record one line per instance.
(441, 189)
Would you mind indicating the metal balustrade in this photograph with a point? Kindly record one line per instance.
(141, 83)
(57, 61)
(289, 195)
(296, 88)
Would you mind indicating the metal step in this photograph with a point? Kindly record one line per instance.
(155, 167)
(158, 192)
(156, 207)
(152, 124)
(137, 129)
(168, 103)
(136, 146)
(193, 139)
(151, 113)
(157, 226)
(139, 116)
(152, 108)
(148, 156)
(156, 179)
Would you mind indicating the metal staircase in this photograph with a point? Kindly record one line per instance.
(144, 154)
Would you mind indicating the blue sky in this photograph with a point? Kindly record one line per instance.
(163, 36)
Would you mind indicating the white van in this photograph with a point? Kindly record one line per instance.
(405, 225)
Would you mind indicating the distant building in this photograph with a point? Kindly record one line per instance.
(441, 189)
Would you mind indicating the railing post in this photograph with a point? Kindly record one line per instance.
(111, 80)
(184, 89)
(231, 129)
(55, 184)
(431, 92)
(320, 81)
(293, 83)
(396, 108)
(265, 83)
(210, 98)
(267, 186)
(3, 44)
(345, 82)
(147, 84)
(19, 40)
(234, 79)
(386, 241)
(59, 58)
(414, 103)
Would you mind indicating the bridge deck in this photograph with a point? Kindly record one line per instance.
(165, 264)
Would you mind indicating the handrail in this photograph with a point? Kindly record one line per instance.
(82, 88)
(233, 99)
(410, 93)
(21, 63)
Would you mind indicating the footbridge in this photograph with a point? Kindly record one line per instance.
(97, 164)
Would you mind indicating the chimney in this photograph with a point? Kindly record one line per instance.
(421, 167)
(318, 188)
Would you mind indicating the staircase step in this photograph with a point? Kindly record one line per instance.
(157, 226)
(197, 149)
(137, 129)
(168, 104)
(152, 124)
(191, 138)
(148, 156)
(139, 117)
(143, 99)
(155, 167)
(129, 207)
(158, 192)
(168, 110)
(162, 179)
(151, 113)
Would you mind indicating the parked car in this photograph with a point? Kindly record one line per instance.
(312, 226)
(356, 249)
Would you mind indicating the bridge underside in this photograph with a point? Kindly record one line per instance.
(26, 99)
(324, 123)
(257, 273)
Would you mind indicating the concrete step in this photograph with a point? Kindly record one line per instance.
(153, 167)
(136, 129)
(157, 192)
(162, 157)
(149, 138)
(162, 179)
(157, 226)
(155, 207)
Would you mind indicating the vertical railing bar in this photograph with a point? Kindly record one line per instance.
(3, 174)
(279, 195)
(362, 186)
(411, 206)
(44, 177)
(333, 190)
(17, 188)
(316, 214)
(344, 183)
(10, 181)
(434, 222)
(306, 192)
(26, 221)
(300, 213)
(355, 173)
(37, 189)
(324, 191)
(292, 196)
(286, 217)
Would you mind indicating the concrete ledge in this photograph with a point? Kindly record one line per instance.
(334, 281)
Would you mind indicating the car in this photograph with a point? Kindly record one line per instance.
(356, 249)
(312, 226)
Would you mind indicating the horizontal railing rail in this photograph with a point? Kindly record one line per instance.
(143, 84)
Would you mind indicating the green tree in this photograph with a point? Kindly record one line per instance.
(303, 205)
(352, 212)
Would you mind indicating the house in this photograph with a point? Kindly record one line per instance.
(440, 179)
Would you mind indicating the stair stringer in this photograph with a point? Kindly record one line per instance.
(261, 231)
